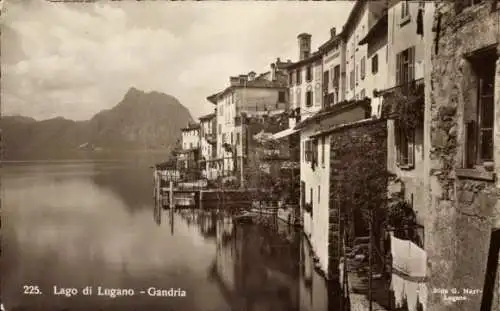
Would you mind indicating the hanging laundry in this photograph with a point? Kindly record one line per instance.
(420, 22)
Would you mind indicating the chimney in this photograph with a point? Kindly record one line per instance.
(273, 72)
(304, 45)
(333, 32)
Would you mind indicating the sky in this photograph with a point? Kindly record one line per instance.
(76, 59)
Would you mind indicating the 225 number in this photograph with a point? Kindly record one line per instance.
(31, 290)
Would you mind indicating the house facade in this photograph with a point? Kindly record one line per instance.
(403, 102)
(376, 60)
(462, 234)
(189, 154)
(333, 58)
(315, 172)
(208, 143)
(246, 96)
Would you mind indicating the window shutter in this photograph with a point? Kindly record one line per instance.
(411, 64)
(398, 69)
(411, 148)
(363, 68)
(398, 142)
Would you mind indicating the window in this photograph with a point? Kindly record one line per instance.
(405, 64)
(405, 10)
(375, 64)
(323, 151)
(307, 151)
(357, 74)
(479, 130)
(224, 138)
(336, 76)
(220, 129)
(281, 96)
(311, 195)
(231, 138)
(237, 138)
(298, 76)
(362, 94)
(309, 73)
(351, 79)
(190, 145)
(405, 146)
(290, 79)
(326, 78)
(363, 61)
(309, 98)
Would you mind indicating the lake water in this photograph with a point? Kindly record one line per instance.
(77, 225)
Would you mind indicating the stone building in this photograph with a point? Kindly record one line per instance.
(462, 228)
(247, 95)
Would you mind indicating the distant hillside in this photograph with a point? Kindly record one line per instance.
(140, 122)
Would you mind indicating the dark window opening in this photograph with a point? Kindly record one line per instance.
(375, 64)
(309, 98)
(309, 74)
(405, 146)
(299, 77)
(479, 131)
(281, 96)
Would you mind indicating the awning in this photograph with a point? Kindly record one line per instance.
(284, 133)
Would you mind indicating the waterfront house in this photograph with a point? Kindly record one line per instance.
(305, 84)
(208, 143)
(247, 96)
(403, 106)
(376, 60)
(363, 15)
(315, 171)
(463, 157)
(189, 154)
(334, 77)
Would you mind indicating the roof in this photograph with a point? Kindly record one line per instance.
(330, 42)
(259, 82)
(358, 6)
(191, 127)
(334, 110)
(314, 57)
(344, 126)
(379, 27)
(207, 117)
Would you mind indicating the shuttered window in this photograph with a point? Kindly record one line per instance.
(363, 69)
(323, 151)
(351, 79)
(405, 66)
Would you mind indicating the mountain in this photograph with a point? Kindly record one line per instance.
(140, 122)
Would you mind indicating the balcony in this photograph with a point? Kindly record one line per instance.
(211, 138)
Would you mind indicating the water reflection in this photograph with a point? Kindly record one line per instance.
(78, 225)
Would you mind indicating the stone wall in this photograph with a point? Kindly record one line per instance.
(358, 179)
(462, 209)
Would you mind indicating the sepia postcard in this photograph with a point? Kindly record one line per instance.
(250, 155)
